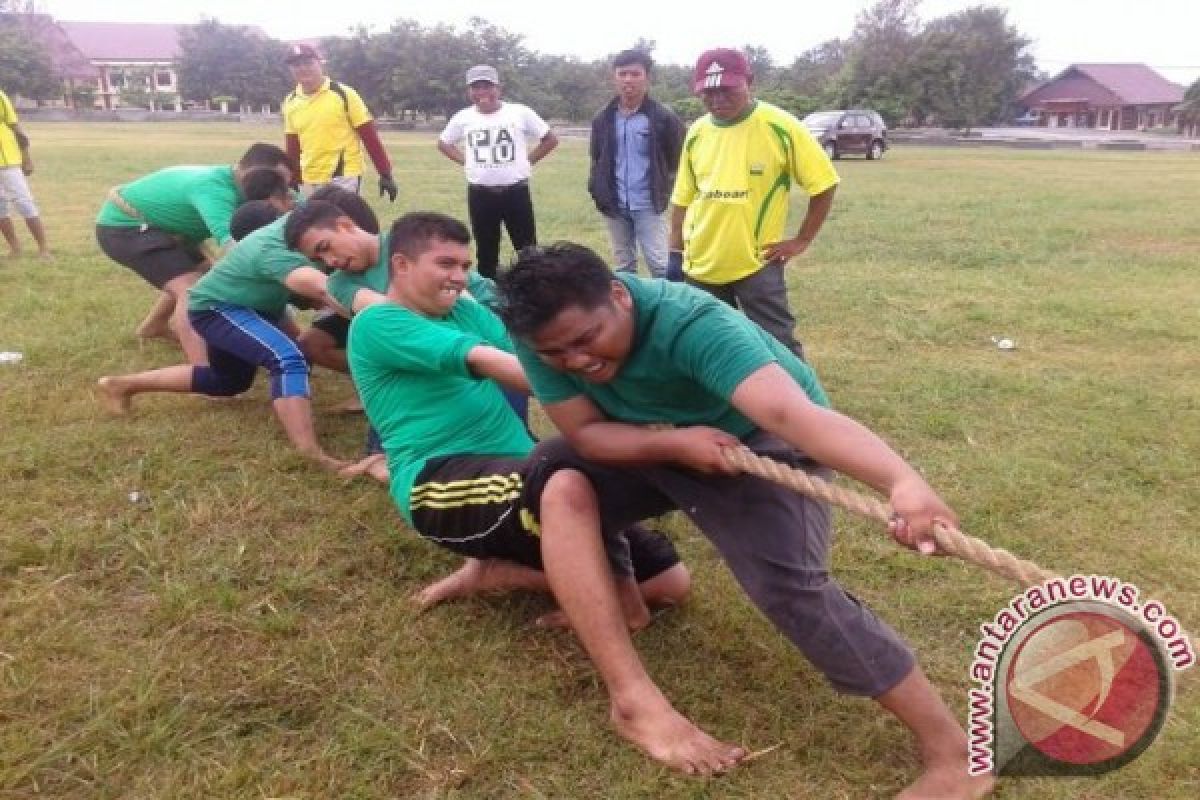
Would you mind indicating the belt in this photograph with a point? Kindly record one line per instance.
(479, 187)
(114, 197)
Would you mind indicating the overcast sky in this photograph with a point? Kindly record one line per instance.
(1160, 33)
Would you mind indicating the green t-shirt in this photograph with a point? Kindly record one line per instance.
(251, 275)
(344, 285)
(411, 373)
(690, 351)
(482, 288)
(193, 202)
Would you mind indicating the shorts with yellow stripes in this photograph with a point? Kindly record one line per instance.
(488, 507)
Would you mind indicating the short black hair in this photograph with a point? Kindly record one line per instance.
(544, 281)
(262, 183)
(633, 56)
(250, 217)
(412, 232)
(261, 154)
(313, 214)
(349, 202)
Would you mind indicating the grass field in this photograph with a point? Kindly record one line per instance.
(242, 630)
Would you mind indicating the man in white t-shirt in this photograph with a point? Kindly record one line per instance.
(497, 161)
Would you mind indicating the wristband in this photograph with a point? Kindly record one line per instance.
(675, 266)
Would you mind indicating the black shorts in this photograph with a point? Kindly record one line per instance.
(157, 256)
(334, 325)
(488, 507)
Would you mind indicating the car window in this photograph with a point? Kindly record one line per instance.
(822, 119)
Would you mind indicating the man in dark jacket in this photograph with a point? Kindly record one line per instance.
(635, 149)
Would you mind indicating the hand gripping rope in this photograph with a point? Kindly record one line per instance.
(949, 540)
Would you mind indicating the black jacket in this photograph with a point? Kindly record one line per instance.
(666, 142)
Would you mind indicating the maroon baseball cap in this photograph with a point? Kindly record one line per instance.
(301, 52)
(721, 68)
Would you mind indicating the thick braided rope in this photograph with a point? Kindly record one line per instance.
(949, 540)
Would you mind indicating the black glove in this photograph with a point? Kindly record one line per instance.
(387, 185)
(675, 266)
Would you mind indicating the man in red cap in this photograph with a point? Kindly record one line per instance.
(738, 162)
(327, 126)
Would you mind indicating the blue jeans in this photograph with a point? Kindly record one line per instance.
(628, 230)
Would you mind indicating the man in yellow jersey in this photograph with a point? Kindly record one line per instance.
(327, 126)
(15, 165)
(730, 204)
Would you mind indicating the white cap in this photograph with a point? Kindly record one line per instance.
(483, 72)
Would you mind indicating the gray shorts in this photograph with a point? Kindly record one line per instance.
(14, 189)
(776, 542)
(156, 256)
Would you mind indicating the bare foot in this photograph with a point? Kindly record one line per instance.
(476, 575)
(151, 328)
(948, 781)
(330, 463)
(374, 465)
(671, 738)
(113, 397)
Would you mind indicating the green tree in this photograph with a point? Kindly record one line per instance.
(878, 59)
(969, 66)
(25, 65)
(356, 61)
(1189, 111)
(229, 61)
(813, 70)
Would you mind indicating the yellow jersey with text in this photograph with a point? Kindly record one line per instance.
(735, 179)
(325, 123)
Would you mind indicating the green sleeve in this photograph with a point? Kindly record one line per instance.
(482, 288)
(721, 348)
(278, 264)
(342, 286)
(394, 338)
(549, 385)
(215, 203)
(484, 322)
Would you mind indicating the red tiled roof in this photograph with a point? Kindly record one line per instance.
(1129, 84)
(124, 41)
(129, 41)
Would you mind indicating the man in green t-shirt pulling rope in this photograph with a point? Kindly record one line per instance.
(430, 363)
(613, 360)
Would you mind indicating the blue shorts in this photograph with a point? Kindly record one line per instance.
(240, 340)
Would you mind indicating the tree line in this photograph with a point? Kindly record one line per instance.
(960, 70)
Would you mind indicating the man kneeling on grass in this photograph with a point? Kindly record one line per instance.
(609, 355)
(239, 309)
(429, 364)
